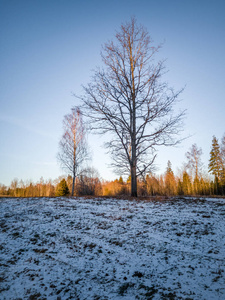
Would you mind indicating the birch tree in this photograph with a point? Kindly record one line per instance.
(72, 146)
(128, 99)
(194, 160)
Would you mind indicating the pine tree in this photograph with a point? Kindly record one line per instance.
(62, 189)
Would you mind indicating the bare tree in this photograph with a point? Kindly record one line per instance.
(89, 183)
(14, 186)
(128, 100)
(73, 147)
(194, 160)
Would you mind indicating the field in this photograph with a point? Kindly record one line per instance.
(112, 249)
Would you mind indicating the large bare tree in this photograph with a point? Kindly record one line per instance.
(72, 146)
(128, 99)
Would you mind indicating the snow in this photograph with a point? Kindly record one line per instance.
(81, 248)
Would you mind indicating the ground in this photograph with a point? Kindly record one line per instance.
(80, 248)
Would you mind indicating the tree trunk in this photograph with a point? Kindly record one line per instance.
(73, 184)
(133, 159)
(133, 154)
(133, 165)
(133, 130)
(133, 181)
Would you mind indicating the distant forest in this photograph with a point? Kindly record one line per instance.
(192, 180)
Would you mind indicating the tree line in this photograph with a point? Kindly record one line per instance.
(192, 179)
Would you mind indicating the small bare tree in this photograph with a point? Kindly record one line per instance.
(89, 183)
(72, 146)
(194, 160)
(128, 99)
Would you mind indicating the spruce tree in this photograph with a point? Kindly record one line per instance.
(62, 189)
(187, 187)
(121, 180)
(222, 150)
(170, 182)
(215, 163)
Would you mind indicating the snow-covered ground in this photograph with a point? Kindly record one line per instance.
(112, 249)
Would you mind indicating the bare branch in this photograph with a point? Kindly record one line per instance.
(129, 100)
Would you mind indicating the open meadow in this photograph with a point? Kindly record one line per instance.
(62, 248)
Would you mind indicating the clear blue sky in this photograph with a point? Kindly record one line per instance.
(48, 49)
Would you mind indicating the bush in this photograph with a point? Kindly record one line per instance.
(62, 189)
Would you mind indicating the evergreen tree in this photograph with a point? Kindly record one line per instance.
(121, 180)
(170, 182)
(153, 186)
(196, 185)
(222, 150)
(62, 189)
(129, 179)
(187, 188)
(215, 162)
(180, 188)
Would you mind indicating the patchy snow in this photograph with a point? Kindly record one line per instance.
(112, 249)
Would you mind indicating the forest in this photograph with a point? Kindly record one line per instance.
(192, 180)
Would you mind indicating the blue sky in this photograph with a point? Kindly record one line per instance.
(48, 49)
